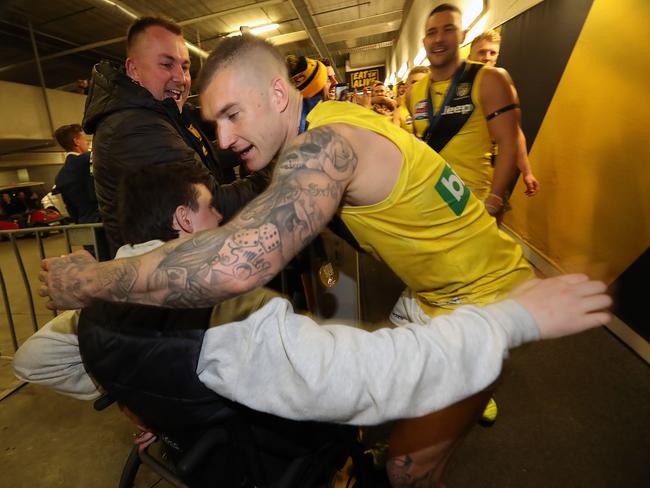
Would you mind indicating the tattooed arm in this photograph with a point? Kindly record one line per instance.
(308, 185)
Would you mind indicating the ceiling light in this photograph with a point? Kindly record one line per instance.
(419, 57)
(401, 73)
(471, 11)
(123, 9)
(255, 30)
(264, 28)
(476, 30)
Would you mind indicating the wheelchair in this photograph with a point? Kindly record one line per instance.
(255, 450)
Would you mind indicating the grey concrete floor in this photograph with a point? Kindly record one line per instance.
(52, 441)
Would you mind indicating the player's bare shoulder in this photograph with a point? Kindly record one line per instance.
(378, 164)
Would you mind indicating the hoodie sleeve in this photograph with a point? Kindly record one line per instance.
(285, 364)
(51, 358)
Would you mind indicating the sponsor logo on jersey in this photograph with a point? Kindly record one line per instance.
(452, 190)
(421, 110)
(463, 90)
(458, 109)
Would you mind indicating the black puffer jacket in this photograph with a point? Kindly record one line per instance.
(146, 359)
(132, 129)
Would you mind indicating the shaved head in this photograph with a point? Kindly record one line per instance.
(134, 34)
(246, 52)
(245, 89)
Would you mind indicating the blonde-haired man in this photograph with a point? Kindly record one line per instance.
(485, 48)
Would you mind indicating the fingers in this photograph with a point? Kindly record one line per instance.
(590, 287)
(571, 279)
(595, 303)
(597, 319)
(565, 304)
(42, 276)
(145, 440)
(45, 263)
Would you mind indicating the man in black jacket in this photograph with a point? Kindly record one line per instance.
(137, 117)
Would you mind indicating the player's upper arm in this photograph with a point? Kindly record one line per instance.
(499, 106)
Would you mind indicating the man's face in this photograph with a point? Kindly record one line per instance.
(379, 91)
(412, 80)
(329, 92)
(206, 216)
(442, 36)
(247, 121)
(160, 62)
(401, 89)
(485, 51)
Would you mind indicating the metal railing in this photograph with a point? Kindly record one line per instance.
(75, 235)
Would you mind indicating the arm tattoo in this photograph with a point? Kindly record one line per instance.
(123, 274)
(307, 188)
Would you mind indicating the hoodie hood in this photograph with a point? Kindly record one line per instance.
(111, 90)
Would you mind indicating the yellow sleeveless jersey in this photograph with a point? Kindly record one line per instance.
(469, 151)
(405, 119)
(431, 231)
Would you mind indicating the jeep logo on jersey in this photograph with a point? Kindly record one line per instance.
(452, 190)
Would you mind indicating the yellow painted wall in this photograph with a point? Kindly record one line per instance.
(592, 152)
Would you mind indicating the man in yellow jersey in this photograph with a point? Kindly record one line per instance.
(485, 49)
(402, 116)
(396, 197)
(462, 107)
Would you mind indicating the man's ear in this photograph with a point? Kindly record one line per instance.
(182, 221)
(279, 94)
(131, 69)
(462, 38)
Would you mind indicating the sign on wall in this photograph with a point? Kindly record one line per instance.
(365, 77)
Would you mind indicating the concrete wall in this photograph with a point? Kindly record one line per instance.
(25, 116)
(24, 124)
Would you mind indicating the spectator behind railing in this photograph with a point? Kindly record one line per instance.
(75, 181)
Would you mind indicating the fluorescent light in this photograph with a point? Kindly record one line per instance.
(471, 11)
(478, 28)
(419, 57)
(401, 73)
(264, 28)
(256, 30)
(123, 9)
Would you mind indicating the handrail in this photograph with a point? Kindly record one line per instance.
(51, 228)
(68, 232)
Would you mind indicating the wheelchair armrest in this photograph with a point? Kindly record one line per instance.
(103, 402)
(200, 450)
